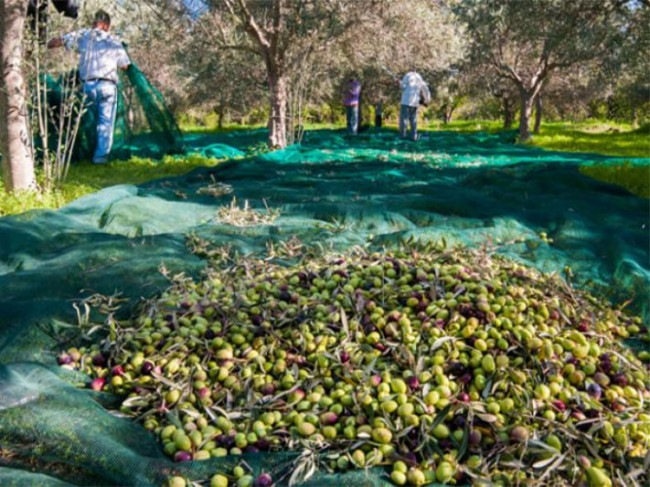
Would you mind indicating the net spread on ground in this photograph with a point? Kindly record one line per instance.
(332, 191)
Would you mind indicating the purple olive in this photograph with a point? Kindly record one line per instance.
(228, 441)
(559, 404)
(99, 360)
(345, 357)
(413, 383)
(475, 437)
(263, 444)
(182, 456)
(64, 359)
(620, 380)
(147, 367)
(410, 458)
(465, 378)
(263, 480)
(594, 390)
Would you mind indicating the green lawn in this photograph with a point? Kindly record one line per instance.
(87, 178)
(592, 136)
(607, 138)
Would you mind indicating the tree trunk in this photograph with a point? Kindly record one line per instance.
(278, 116)
(15, 138)
(220, 120)
(611, 108)
(446, 115)
(538, 114)
(222, 110)
(378, 114)
(508, 112)
(527, 102)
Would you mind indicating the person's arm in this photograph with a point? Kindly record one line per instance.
(123, 61)
(55, 43)
(69, 41)
(425, 94)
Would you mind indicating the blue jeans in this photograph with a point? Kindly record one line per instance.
(410, 115)
(102, 96)
(352, 118)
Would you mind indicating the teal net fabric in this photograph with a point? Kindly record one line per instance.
(144, 126)
(332, 191)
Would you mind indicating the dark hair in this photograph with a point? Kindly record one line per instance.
(103, 17)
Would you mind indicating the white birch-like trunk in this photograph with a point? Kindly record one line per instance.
(15, 136)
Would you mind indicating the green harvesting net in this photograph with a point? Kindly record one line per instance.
(144, 126)
(331, 192)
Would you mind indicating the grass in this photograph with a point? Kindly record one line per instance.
(618, 140)
(88, 178)
(609, 139)
(593, 136)
(606, 138)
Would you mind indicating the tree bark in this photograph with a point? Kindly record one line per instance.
(508, 112)
(222, 110)
(538, 114)
(378, 114)
(278, 117)
(611, 110)
(15, 137)
(634, 117)
(527, 102)
(446, 115)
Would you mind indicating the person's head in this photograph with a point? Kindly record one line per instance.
(102, 20)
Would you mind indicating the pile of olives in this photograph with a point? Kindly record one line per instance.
(450, 367)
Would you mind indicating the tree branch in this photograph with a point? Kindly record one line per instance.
(249, 23)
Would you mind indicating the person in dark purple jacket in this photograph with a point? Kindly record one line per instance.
(351, 96)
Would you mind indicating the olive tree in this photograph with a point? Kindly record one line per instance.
(526, 41)
(420, 35)
(15, 136)
(285, 35)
